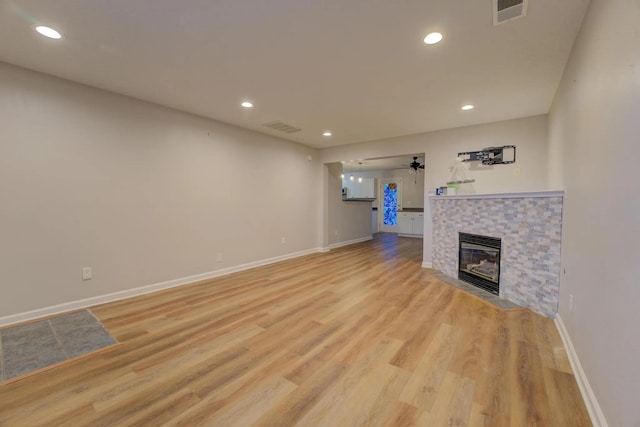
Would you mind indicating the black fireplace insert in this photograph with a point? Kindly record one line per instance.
(479, 261)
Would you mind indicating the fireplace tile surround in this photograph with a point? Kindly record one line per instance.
(530, 226)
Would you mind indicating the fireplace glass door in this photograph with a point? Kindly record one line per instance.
(479, 261)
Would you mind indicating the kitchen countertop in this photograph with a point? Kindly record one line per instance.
(375, 208)
(357, 199)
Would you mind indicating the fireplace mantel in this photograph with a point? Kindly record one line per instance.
(518, 195)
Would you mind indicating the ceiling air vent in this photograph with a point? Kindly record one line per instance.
(506, 10)
(282, 127)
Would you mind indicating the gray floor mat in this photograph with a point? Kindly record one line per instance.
(32, 346)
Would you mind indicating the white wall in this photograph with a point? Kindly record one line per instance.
(141, 193)
(593, 129)
(529, 173)
(412, 187)
(441, 148)
(347, 221)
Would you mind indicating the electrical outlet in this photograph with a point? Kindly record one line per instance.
(87, 273)
(516, 171)
(219, 256)
(570, 302)
(283, 240)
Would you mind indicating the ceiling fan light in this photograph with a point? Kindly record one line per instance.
(415, 165)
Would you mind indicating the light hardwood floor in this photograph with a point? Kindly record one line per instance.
(359, 336)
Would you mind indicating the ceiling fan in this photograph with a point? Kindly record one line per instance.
(415, 165)
(414, 168)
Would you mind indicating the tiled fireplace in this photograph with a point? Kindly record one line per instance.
(529, 226)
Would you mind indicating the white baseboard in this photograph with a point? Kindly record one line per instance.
(349, 242)
(101, 299)
(427, 265)
(590, 401)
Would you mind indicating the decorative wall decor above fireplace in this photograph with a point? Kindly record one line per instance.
(491, 155)
(479, 261)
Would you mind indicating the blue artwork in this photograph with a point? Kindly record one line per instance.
(390, 208)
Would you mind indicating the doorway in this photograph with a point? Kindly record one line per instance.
(390, 202)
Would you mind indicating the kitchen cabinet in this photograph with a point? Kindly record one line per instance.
(359, 190)
(411, 224)
(374, 221)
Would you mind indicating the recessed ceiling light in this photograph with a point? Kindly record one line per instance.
(48, 32)
(433, 38)
(467, 107)
(327, 133)
(247, 104)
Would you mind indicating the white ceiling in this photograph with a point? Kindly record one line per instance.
(356, 67)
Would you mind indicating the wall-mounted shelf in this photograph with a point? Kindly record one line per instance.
(465, 181)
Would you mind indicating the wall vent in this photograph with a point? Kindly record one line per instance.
(507, 10)
(282, 127)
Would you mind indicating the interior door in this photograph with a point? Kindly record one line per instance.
(390, 204)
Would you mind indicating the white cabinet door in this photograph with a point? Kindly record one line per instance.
(418, 224)
(357, 189)
(405, 223)
(374, 222)
(411, 223)
(367, 188)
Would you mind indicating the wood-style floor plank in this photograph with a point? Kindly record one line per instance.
(359, 336)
